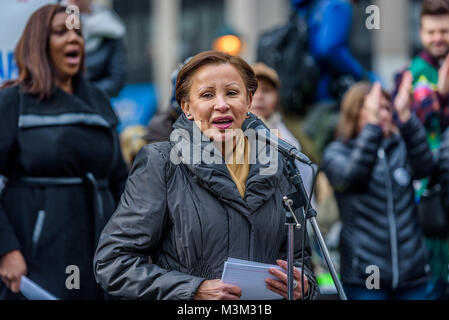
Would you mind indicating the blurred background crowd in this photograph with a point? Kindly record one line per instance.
(316, 62)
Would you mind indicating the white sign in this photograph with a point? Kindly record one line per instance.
(14, 15)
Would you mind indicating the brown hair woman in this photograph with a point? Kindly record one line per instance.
(60, 155)
(371, 167)
(179, 220)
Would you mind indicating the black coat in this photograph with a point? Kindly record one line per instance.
(52, 221)
(372, 178)
(177, 223)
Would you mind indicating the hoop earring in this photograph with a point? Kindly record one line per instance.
(248, 115)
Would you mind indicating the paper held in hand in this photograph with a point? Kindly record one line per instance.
(33, 291)
(250, 277)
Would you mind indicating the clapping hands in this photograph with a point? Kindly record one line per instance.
(443, 78)
(370, 109)
(402, 102)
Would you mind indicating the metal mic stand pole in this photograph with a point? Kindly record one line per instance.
(291, 222)
(291, 205)
(327, 257)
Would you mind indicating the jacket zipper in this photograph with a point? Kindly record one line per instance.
(391, 220)
(38, 229)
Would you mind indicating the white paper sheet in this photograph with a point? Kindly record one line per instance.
(33, 291)
(250, 277)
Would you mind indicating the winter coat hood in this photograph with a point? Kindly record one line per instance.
(101, 23)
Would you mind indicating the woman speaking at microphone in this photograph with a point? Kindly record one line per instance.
(179, 220)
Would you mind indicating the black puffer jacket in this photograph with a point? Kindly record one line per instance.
(176, 225)
(372, 178)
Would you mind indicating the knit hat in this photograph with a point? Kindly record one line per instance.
(263, 71)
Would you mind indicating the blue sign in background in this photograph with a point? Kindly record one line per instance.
(135, 105)
(8, 66)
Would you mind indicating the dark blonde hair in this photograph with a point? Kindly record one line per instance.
(352, 103)
(183, 82)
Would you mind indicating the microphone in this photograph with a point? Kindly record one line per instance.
(253, 122)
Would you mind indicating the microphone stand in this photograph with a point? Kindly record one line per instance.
(297, 200)
(300, 200)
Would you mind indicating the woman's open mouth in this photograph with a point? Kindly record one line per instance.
(223, 123)
(73, 56)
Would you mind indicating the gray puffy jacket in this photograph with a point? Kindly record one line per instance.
(176, 225)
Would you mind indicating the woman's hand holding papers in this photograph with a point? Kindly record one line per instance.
(280, 287)
(12, 268)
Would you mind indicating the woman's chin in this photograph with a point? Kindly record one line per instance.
(223, 137)
(224, 140)
(218, 135)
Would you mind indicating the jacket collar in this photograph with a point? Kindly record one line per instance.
(86, 102)
(426, 56)
(214, 175)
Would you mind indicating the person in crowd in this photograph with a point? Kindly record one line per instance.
(265, 105)
(60, 154)
(161, 125)
(371, 167)
(324, 28)
(266, 102)
(132, 139)
(329, 24)
(430, 70)
(103, 33)
(179, 220)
